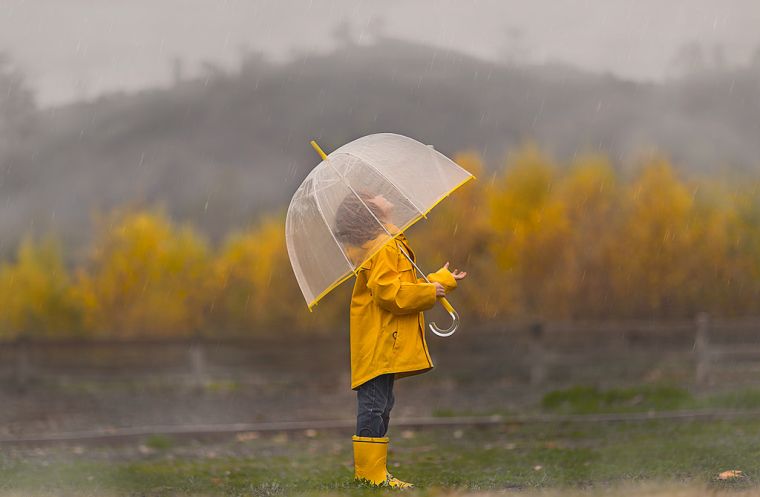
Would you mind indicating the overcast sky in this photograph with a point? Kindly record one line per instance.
(80, 48)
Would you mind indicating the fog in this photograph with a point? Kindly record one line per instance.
(82, 48)
(633, 199)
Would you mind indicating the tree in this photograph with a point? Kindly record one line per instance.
(651, 273)
(146, 278)
(531, 227)
(36, 294)
(256, 292)
(590, 193)
(459, 231)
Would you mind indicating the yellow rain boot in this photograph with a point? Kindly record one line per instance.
(370, 455)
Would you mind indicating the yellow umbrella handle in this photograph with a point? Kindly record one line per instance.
(445, 303)
(454, 320)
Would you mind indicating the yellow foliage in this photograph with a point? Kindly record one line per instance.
(746, 234)
(590, 186)
(145, 278)
(537, 238)
(458, 231)
(247, 274)
(35, 292)
(658, 232)
(589, 191)
(531, 226)
(255, 290)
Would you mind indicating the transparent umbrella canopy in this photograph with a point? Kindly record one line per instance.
(411, 176)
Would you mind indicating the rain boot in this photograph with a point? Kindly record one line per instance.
(370, 455)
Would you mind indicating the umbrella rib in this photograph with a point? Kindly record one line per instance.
(378, 171)
(327, 225)
(345, 182)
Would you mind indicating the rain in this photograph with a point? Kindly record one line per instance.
(530, 230)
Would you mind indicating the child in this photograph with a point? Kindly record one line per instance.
(387, 324)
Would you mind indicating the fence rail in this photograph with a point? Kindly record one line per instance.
(710, 343)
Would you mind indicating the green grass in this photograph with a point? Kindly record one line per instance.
(584, 399)
(587, 399)
(539, 456)
(745, 398)
(641, 398)
(560, 457)
(159, 442)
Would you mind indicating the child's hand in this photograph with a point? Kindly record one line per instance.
(457, 274)
(439, 290)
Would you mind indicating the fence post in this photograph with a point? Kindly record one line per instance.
(537, 354)
(702, 348)
(198, 364)
(22, 367)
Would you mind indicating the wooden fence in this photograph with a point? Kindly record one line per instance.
(710, 347)
(716, 345)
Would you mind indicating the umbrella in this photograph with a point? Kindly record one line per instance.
(412, 176)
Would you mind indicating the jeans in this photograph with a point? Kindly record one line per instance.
(375, 400)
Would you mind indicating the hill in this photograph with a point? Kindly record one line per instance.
(219, 149)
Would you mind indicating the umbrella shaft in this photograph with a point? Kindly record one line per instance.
(413, 264)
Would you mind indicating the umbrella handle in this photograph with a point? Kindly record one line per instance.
(454, 320)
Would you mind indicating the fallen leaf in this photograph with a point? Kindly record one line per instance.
(246, 436)
(730, 474)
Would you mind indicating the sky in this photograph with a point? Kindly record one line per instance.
(79, 49)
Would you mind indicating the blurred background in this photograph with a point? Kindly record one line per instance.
(148, 152)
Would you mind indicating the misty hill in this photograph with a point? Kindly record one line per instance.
(218, 150)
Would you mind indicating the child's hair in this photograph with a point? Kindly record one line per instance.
(354, 223)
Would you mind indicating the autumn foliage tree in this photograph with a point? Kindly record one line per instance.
(458, 231)
(590, 193)
(539, 238)
(253, 287)
(531, 229)
(36, 294)
(255, 292)
(145, 278)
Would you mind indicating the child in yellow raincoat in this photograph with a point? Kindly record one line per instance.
(387, 325)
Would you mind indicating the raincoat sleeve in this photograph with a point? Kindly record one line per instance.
(445, 278)
(392, 294)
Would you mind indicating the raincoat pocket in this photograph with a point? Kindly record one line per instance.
(388, 344)
(393, 335)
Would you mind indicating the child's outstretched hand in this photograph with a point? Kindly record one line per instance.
(457, 274)
(440, 291)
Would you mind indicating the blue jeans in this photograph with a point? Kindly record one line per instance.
(375, 400)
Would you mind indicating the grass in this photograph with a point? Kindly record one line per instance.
(579, 456)
(587, 399)
(641, 398)
(564, 458)
(159, 442)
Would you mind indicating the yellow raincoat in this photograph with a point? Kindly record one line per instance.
(387, 323)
